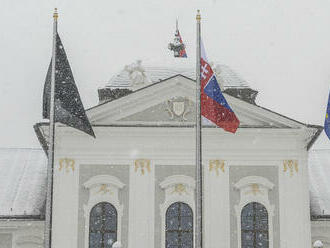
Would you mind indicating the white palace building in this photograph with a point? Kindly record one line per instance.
(265, 186)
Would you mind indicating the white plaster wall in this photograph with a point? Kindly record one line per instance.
(65, 197)
(176, 146)
(294, 206)
(141, 206)
(217, 212)
(25, 233)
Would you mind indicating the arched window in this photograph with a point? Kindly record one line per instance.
(179, 226)
(102, 225)
(254, 224)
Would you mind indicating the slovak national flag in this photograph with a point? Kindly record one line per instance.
(214, 106)
(182, 52)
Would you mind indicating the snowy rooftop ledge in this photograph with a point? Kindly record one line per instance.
(142, 73)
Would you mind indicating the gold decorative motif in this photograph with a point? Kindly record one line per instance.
(217, 165)
(66, 163)
(254, 189)
(143, 164)
(104, 189)
(180, 189)
(290, 165)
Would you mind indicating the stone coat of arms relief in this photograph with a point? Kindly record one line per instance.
(178, 108)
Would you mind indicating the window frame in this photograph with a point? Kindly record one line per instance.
(244, 186)
(179, 231)
(171, 195)
(112, 186)
(254, 230)
(102, 231)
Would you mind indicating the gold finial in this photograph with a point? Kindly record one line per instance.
(198, 16)
(55, 15)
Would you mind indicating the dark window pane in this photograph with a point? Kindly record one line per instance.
(96, 223)
(247, 223)
(262, 224)
(173, 210)
(185, 210)
(262, 239)
(110, 211)
(172, 246)
(248, 210)
(95, 240)
(172, 238)
(110, 224)
(262, 213)
(179, 226)
(187, 239)
(102, 226)
(186, 223)
(109, 239)
(254, 226)
(97, 211)
(247, 238)
(172, 223)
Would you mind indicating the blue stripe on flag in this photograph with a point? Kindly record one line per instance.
(212, 89)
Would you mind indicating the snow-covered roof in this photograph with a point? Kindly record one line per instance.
(22, 182)
(319, 176)
(159, 70)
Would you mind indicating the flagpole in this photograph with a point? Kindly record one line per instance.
(177, 25)
(199, 168)
(50, 169)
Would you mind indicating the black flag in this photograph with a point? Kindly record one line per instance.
(68, 107)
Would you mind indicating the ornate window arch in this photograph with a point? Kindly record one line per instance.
(103, 189)
(103, 225)
(179, 226)
(254, 189)
(254, 226)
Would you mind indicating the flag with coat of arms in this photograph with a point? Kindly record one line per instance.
(214, 105)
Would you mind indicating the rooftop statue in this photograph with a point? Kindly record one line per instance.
(137, 73)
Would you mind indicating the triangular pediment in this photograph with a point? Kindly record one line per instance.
(172, 102)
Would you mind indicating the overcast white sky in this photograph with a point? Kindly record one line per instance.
(280, 47)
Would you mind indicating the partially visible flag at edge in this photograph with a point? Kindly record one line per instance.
(327, 119)
(68, 107)
(214, 106)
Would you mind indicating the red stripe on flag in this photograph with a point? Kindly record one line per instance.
(218, 114)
